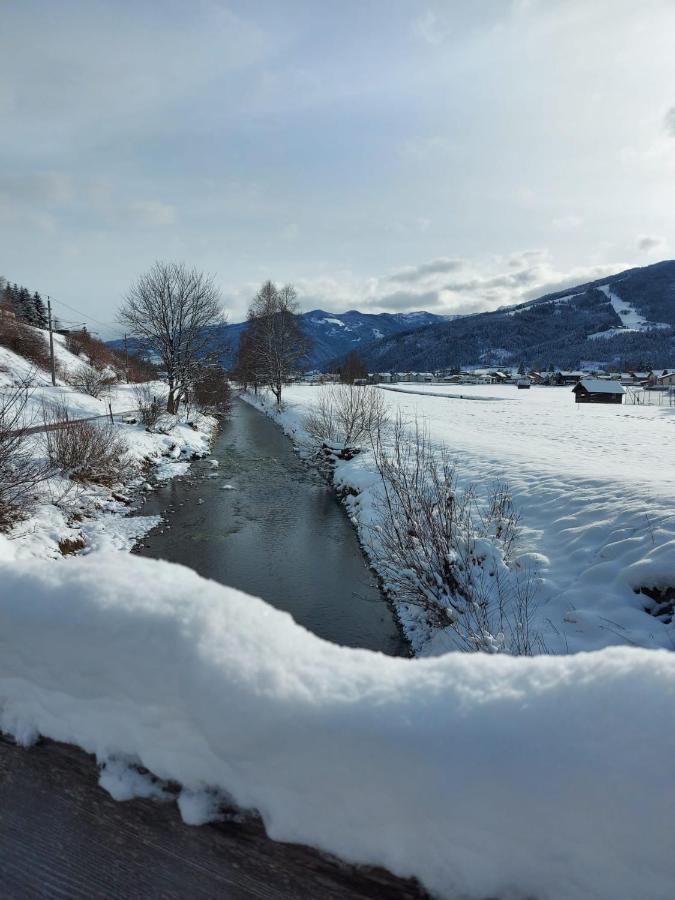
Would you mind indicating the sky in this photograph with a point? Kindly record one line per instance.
(384, 155)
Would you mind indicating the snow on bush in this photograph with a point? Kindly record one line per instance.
(482, 775)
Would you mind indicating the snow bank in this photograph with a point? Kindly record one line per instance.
(484, 776)
(594, 488)
(88, 513)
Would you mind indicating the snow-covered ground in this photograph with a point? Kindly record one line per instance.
(485, 776)
(594, 486)
(89, 514)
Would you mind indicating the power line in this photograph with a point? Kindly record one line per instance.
(88, 318)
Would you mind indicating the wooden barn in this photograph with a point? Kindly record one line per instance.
(598, 390)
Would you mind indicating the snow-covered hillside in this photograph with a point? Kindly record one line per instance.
(594, 486)
(70, 514)
(483, 776)
(629, 316)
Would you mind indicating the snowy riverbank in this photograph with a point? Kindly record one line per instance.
(79, 515)
(594, 488)
(482, 775)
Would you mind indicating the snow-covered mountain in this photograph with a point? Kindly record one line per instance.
(628, 317)
(332, 335)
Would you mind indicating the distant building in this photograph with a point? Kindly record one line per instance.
(667, 380)
(597, 390)
(567, 377)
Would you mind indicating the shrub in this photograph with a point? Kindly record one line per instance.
(346, 415)
(437, 548)
(139, 369)
(90, 381)
(100, 357)
(149, 406)
(87, 451)
(20, 470)
(30, 343)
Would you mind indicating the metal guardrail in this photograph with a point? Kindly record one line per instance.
(55, 426)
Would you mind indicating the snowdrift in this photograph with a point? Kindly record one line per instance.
(484, 776)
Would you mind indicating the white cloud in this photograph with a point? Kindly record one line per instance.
(444, 285)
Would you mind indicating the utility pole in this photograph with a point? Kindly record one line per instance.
(51, 342)
(126, 359)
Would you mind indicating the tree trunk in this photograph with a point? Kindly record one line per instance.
(171, 405)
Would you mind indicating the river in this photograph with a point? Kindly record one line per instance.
(265, 522)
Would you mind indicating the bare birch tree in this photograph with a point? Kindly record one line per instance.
(170, 309)
(276, 343)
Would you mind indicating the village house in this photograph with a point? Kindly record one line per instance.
(567, 377)
(598, 390)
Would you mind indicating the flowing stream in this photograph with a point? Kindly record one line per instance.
(265, 522)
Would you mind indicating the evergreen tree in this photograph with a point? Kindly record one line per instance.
(26, 306)
(40, 311)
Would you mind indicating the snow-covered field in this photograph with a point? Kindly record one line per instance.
(594, 486)
(485, 776)
(87, 513)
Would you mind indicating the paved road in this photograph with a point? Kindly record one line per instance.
(62, 836)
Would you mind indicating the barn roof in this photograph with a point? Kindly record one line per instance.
(600, 386)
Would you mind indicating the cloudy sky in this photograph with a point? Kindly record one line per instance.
(386, 155)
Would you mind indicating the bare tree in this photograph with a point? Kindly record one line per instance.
(21, 470)
(170, 309)
(275, 340)
(353, 368)
(245, 370)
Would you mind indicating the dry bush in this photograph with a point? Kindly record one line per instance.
(23, 340)
(149, 407)
(438, 549)
(87, 451)
(347, 415)
(82, 343)
(139, 369)
(90, 381)
(20, 470)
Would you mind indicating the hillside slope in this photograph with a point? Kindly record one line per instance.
(625, 317)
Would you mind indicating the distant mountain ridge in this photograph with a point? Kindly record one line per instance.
(332, 335)
(628, 316)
